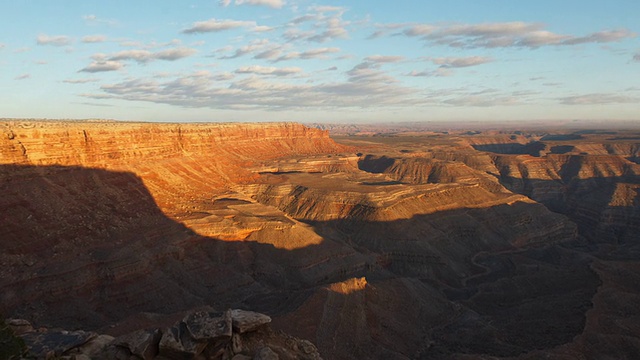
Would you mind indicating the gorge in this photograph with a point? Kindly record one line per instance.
(416, 245)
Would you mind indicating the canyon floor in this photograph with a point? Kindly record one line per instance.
(463, 244)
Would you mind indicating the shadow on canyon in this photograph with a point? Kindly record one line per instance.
(590, 203)
(87, 248)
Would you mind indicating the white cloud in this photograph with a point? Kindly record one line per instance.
(174, 54)
(276, 4)
(94, 39)
(143, 56)
(318, 53)
(79, 81)
(95, 20)
(603, 37)
(255, 46)
(382, 59)
(458, 62)
(363, 88)
(262, 28)
(55, 40)
(326, 8)
(506, 34)
(323, 24)
(268, 70)
(598, 99)
(214, 25)
(483, 101)
(101, 66)
(140, 56)
(439, 72)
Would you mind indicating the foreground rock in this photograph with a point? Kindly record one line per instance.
(233, 334)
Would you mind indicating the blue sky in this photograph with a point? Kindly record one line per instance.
(297, 60)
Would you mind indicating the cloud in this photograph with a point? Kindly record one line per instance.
(365, 88)
(276, 4)
(383, 59)
(506, 34)
(174, 54)
(55, 40)
(22, 77)
(598, 99)
(94, 20)
(439, 72)
(318, 53)
(214, 25)
(255, 46)
(322, 24)
(144, 56)
(603, 37)
(140, 56)
(79, 81)
(262, 28)
(269, 54)
(95, 104)
(458, 62)
(268, 70)
(483, 101)
(385, 29)
(94, 39)
(102, 66)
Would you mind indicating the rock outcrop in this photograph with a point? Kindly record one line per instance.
(233, 334)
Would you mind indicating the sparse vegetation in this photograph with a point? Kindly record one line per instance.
(11, 346)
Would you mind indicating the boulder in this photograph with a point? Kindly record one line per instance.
(142, 343)
(204, 326)
(55, 342)
(266, 354)
(19, 326)
(244, 321)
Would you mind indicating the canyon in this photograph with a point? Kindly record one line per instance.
(459, 244)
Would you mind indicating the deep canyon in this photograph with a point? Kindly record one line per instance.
(417, 245)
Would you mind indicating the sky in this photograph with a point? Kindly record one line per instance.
(335, 61)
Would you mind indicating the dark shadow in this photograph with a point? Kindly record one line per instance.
(561, 137)
(593, 131)
(86, 248)
(624, 138)
(561, 149)
(585, 201)
(635, 159)
(533, 148)
(375, 164)
(382, 183)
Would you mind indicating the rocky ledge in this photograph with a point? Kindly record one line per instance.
(232, 334)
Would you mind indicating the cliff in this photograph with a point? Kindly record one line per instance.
(199, 157)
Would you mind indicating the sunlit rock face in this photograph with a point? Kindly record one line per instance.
(423, 246)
